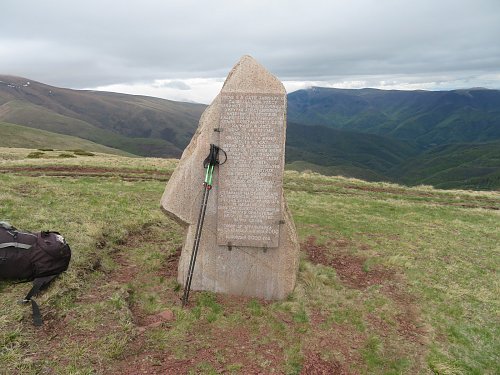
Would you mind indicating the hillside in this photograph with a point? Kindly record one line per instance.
(470, 166)
(392, 280)
(426, 117)
(137, 124)
(336, 152)
(376, 135)
(24, 137)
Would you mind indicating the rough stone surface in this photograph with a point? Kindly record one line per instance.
(263, 260)
(251, 181)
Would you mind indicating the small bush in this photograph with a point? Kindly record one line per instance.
(36, 155)
(66, 155)
(46, 149)
(83, 153)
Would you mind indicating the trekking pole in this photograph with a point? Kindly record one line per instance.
(210, 162)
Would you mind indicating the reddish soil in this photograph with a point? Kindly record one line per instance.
(408, 325)
(344, 340)
(208, 345)
(75, 168)
(170, 268)
(350, 268)
(350, 271)
(341, 339)
(317, 254)
(329, 348)
(80, 171)
(315, 365)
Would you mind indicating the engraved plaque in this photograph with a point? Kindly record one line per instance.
(250, 183)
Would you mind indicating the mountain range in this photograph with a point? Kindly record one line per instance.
(428, 118)
(137, 124)
(449, 139)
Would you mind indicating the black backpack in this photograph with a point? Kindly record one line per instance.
(38, 257)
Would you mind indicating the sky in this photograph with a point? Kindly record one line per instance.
(183, 50)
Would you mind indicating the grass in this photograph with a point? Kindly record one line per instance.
(12, 135)
(424, 297)
(136, 124)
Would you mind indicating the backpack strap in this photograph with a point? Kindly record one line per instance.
(37, 316)
(15, 244)
(6, 226)
(39, 284)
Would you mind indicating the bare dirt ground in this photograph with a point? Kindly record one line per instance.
(210, 343)
(125, 174)
(237, 341)
(408, 327)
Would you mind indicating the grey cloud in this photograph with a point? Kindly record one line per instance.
(179, 85)
(92, 43)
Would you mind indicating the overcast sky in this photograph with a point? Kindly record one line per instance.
(183, 50)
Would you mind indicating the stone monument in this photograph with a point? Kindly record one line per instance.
(248, 244)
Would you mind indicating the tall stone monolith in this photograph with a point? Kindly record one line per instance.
(249, 245)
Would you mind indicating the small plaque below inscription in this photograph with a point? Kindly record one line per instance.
(250, 182)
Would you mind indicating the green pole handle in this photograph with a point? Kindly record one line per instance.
(209, 175)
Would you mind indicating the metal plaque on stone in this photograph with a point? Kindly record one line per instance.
(252, 133)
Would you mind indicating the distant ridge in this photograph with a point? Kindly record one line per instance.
(426, 117)
(138, 124)
(448, 139)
